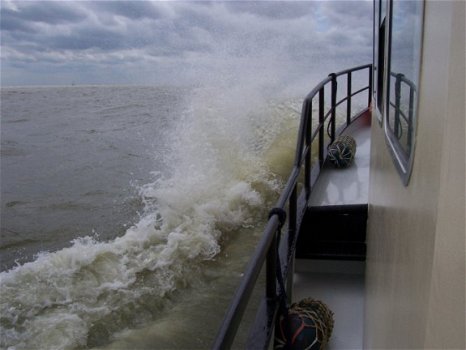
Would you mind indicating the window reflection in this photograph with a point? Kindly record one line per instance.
(379, 54)
(401, 117)
(404, 64)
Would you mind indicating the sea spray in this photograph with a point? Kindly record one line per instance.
(217, 189)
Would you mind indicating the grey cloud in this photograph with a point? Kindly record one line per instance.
(141, 25)
(164, 36)
(10, 22)
(128, 9)
(88, 38)
(348, 14)
(273, 9)
(51, 12)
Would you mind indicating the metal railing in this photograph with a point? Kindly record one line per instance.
(397, 105)
(271, 246)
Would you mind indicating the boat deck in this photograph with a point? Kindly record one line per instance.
(348, 185)
(340, 285)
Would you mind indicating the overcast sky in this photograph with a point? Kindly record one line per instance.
(173, 42)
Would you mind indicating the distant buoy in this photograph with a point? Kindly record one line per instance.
(309, 325)
(342, 151)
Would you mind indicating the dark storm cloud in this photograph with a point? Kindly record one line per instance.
(150, 40)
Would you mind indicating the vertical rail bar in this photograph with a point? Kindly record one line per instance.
(369, 97)
(410, 117)
(349, 88)
(271, 270)
(292, 213)
(321, 125)
(397, 125)
(292, 232)
(308, 157)
(333, 102)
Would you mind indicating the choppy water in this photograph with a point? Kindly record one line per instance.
(128, 213)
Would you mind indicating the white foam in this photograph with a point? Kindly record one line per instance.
(219, 182)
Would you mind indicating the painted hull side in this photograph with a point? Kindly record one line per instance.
(415, 274)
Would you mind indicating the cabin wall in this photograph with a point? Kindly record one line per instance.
(447, 307)
(415, 277)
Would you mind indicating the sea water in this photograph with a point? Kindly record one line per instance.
(129, 213)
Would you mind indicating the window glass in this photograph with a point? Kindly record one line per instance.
(376, 44)
(379, 54)
(404, 64)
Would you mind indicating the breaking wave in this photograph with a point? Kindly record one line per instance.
(223, 167)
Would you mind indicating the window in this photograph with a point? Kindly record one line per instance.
(380, 13)
(403, 65)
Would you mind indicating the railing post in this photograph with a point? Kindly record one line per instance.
(308, 158)
(333, 102)
(271, 270)
(292, 232)
(396, 128)
(349, 91)
(410, 117)
(321, 125)
(369, 97)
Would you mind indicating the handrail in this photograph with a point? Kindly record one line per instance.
(271, 246)
(398, 130)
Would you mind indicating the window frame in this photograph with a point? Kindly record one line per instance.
(379, 58)
(403, 159)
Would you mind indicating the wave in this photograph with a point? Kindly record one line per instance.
(223, 158)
